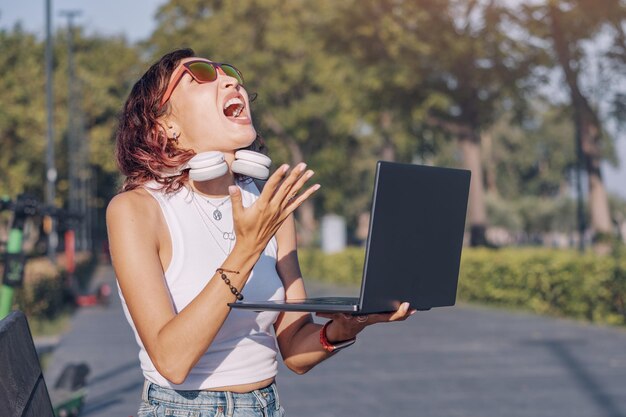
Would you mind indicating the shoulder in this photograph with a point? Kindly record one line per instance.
(137, 203)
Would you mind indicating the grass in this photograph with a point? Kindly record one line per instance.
(50, 327)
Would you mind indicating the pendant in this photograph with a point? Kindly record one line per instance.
(229, 235)
(217, 215)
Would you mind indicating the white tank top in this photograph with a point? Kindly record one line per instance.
(244, 350)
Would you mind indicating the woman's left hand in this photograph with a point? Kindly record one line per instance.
(347, 326)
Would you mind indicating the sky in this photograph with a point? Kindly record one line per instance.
(135, 20)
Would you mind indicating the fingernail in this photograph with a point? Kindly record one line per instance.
(316, 187)
(412, 312)
(301, 166)
(284, 168)
(405, 307)
(232, 189)
(309, 174)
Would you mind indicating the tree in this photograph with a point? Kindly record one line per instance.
(449, 64)
(528, 170)
(569, 25)
(22, 115)
(103, 85)
(484, 72)
(534, 158)
(302, 108)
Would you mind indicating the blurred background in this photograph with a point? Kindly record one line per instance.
(529, 95)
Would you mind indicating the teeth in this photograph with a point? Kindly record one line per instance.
(235, 100)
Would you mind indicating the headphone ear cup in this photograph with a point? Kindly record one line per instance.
(250, 169)
(251, 164)
(207, 166)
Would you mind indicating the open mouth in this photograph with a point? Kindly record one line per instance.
(234, 107)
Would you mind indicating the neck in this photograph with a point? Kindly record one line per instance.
(215, 188)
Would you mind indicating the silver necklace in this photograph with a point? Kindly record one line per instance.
(227, 236)
(217, 214)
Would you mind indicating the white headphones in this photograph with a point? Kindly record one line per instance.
(210, 165)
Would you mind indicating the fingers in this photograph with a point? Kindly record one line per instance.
(273, 182)
(293, 192)
(282, 188)
(292, 184)
(402, 314)
(235, 197)
(296, 202)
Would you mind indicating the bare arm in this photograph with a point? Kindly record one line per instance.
(297, 334)
(172, 340)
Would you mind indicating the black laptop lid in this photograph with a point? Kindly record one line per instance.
(416, 236)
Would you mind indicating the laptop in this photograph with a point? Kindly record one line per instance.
(413, 248)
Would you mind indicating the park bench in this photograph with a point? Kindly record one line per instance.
(23, 391)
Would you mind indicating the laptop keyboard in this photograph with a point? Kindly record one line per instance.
(329, 300)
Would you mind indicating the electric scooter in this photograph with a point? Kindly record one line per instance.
(70, 389)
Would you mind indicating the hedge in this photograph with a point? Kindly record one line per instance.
(45, 295)
(545, 281)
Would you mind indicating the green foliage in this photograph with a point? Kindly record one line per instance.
(531, 214)
(104, 70)
(534, 158)
(44, 295)
(342, 84)
(304, 110)
(22, 114)
(345, 268)
(562, 283)
(543, 281)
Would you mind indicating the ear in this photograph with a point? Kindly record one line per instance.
(169, 127)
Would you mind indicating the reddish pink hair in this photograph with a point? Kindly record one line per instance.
(143, 149)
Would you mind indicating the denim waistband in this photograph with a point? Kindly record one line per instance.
(226, 399)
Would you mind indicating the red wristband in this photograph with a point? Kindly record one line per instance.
(329, 347)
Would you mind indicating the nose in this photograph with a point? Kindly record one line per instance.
(226, 80)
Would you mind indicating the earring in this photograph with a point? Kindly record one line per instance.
(175, 137)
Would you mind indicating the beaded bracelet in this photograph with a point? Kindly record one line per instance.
(234, 290)
(333, 347)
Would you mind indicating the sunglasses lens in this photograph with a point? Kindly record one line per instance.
(232, 72)
(203, 71)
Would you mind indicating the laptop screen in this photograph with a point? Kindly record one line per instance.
(415, 238)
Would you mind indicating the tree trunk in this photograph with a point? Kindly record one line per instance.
(469, 142)
(388, 152)
(588, 130)
(305, 214)
(470, 148)
(598, 197)
(490, 168)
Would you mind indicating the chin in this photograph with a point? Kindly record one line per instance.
(250, 137)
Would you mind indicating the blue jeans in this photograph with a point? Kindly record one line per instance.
(164, 402)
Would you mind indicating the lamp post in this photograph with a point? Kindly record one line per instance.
(51, 172)
(73, 146)
(580, 203)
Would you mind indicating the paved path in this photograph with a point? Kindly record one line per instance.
(101, 337)
(465, 361)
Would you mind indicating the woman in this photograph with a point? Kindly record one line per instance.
(177, 261)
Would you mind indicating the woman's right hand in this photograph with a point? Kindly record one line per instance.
(257, 224)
